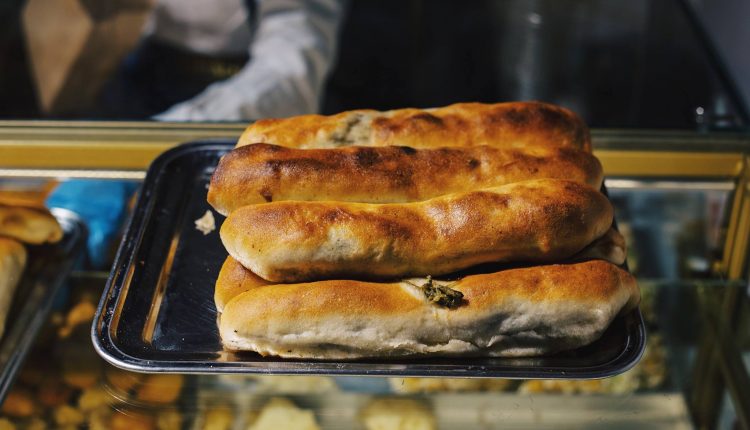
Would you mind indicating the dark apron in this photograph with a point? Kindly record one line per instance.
(157, 75)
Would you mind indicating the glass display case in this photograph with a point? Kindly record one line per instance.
(681, 200)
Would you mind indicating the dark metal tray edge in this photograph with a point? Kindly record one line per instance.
(113, 355)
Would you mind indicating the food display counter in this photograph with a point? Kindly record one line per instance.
(681, 200)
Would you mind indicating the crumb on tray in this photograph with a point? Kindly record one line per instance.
(206, 224)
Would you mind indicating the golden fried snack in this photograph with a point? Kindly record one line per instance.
(262, 173)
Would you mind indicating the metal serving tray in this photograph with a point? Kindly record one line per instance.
(47, 269)
(157, 313)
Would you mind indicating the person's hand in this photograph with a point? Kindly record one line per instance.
(211, 105)
(291, 55)
(251, 94)
(221, 101)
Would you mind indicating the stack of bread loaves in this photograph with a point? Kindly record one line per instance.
(471, 229)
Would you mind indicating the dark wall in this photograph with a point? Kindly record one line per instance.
(637, 64)
(17, 99)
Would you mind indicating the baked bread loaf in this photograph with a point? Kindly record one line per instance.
(30, 225)
(234, 280)
(262, 173)
(517, 312)
(506, 125)
(541, 220)
(12, 262)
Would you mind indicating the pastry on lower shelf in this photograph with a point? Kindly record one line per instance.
(121, 381)
(397, 414)
(19, 403)
(280, 413)
(297, 384)
(64, 379)
(648, 374)
(94, 398)
(68, 416)
(436, 385)
(168, 419)
(6, 424)
(34, 226)
(12, 262)
(124, 419)
(216, 419)
(160, 388)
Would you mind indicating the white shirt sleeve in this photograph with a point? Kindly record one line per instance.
(291, 54)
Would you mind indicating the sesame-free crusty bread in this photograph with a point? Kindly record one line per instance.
(234, 279)
(506, 125)
(30, 225)
(12, 262)
(543, 220)
(262, 173)
(516, 312)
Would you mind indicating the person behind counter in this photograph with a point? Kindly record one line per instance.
(227, 60)
(220, 60)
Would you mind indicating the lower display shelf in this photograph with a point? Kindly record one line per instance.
(459, 410)
(64, 384)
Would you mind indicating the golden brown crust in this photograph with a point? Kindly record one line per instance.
(592, 281)
(30, 225)
(541, 220)
(262, 173)
(507, 125)
(525, 311)
(233, 280)
(12, 262)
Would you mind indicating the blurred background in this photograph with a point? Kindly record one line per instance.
(640, 64)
